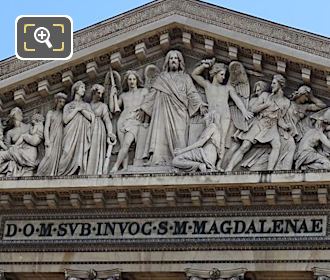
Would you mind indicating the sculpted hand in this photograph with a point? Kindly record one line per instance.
(203, 109)
(207, 63)
(111, 139)
(140, 114)
(113, 90)
(177, 151)
(247, 115)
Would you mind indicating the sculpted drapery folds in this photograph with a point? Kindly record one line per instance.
(77, 117)
(172, 100)
(53, 138)
(309, 154)
(201, 155)
(101, 133)
(272, 125)
(21, 157)
(304, 102)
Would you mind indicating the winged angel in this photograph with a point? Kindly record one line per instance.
(218, 92)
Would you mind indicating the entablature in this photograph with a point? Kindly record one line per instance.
(238, 189)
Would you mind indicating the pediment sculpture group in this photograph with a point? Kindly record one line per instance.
(211, 120)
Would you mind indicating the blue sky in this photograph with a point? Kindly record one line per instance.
(312, 16)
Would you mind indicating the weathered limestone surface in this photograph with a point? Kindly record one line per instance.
(175, 107)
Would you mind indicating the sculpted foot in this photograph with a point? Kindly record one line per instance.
(202, 167)
(229, 168)
(218, 166)
(114, 169)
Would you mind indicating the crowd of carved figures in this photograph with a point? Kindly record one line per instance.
(242, 126)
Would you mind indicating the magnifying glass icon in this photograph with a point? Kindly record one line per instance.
(41, 35)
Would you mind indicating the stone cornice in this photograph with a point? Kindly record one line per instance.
(198, 179)
(207, 13)
(238, 189)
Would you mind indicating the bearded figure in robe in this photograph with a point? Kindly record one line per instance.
(173, 99)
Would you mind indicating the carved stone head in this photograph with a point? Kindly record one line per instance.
(259, 87)
(128, 81)
(78, 88)
(97, 92)
(302, 94)
(278, 83)
(174, 61)
(219, 71)
(59, 100)
(16, 114)
(37, 118)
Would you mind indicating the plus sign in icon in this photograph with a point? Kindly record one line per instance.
(44, 37)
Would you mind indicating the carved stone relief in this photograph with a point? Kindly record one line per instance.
(321, 273)
(215, 274)
(154, 119)
(92, 274)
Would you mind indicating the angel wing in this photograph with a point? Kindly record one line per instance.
(151, 72)
(239, 80)
(111, 77)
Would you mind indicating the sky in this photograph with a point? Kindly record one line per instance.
(312, 16)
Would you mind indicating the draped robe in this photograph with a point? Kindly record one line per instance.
(76, 141)
(172, 100)
(49, 164)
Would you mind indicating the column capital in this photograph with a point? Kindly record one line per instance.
(112, 274)
(215, 274)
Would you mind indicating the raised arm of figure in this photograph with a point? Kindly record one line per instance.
(318, 102)
(196, 75)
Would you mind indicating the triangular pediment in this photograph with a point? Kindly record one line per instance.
(182, 162)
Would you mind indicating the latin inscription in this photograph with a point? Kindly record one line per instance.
(165, 228)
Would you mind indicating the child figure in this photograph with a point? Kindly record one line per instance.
(35, 132)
